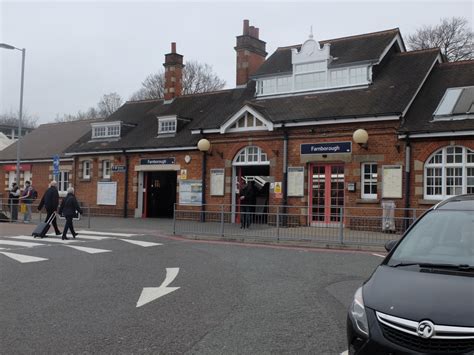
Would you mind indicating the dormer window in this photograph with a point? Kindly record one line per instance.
(457, 103)
(106, 130)
(167, 125)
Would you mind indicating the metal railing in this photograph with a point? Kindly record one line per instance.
(339, 225)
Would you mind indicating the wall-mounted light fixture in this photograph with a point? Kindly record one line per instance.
(361, 137)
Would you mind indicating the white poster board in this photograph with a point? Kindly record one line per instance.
(107, 193)
(392, 181)
(296, 181)
(217, 182)
(190, 192)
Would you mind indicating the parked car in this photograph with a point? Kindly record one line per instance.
(420, 299)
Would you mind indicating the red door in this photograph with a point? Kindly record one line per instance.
(327, 193)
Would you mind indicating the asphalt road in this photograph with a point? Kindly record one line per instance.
(232, 298)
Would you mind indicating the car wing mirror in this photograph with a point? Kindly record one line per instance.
(390, 244)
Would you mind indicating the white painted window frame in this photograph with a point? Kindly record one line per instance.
(110, 129)
(106, 169)
(464, 165)
(164, 122)
(86, 166)
(63, 183)
(245, 151)
(364, 181)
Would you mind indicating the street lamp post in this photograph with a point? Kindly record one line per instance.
(204, 145)
(23, 53)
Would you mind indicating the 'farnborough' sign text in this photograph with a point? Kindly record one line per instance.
(326, 148)
(158, 161)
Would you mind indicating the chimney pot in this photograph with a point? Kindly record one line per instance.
(257, 32)
(173, 47)
(246, 27)
(252, 31)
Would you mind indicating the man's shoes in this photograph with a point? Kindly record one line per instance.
(65, 238)
(58, 233)
(74, 235)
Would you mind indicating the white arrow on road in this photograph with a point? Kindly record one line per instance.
(152, 293)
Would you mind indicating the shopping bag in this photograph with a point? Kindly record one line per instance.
(22, 208)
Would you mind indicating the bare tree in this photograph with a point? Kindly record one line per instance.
(197, 78)
(11, 119)
(453, 36)
(109, 104)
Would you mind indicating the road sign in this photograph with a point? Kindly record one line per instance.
(56, 165)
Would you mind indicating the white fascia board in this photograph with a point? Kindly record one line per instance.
(438, 134)
(35, 161)
(104, 124)
(437, 60)
(338, 121)
(95, 153)
(239, 113)
(314, 91)
(199, 131)
(167, 117)
(160, 149)
(397, 39)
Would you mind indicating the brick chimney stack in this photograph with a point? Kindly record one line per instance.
(250, 53)
(173, 73)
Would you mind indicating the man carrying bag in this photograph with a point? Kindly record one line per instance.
(50, 201)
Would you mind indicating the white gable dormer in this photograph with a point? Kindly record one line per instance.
(246, 119)
(167, 125)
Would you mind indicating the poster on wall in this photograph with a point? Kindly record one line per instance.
(217, 182)
(107, 193)
(392, 181)
(296, 181)
(190, 192)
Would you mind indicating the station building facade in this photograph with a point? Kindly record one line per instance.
(342, 123)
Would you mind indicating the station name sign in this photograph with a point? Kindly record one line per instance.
(326, 148)
(158, 161)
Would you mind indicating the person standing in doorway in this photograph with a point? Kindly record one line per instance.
(27, 199)
(14, 195)
(50, 201)
(247, 200)
(69, 207)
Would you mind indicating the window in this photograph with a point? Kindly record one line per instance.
(166, 125)
(106, 164)
(248, 122)
(63, 181)
(250, 156)
(369, 180)
(106, 130)
(456, 102)
(284, 84)
(310, 81)
(358, 75)
(339, 77)
(86, 169)
(448, 172)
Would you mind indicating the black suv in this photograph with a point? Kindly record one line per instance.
(420, 300)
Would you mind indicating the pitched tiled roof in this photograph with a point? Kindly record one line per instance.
(390, 94)
(48, 140)
(419, 118)
(361, 48)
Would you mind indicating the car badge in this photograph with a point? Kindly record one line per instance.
(425, 329)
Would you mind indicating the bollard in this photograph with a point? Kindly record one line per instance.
(174, 219)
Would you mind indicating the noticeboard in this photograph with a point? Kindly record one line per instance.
(217, 182)
(190, 192)
(296, 181)
(107, 193)
(392, 181)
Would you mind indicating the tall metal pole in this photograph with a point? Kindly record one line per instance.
(18, 149)
(203, 198)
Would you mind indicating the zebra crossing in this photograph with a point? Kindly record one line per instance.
(12, 246)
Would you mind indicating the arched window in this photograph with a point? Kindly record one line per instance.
(448, 172)
(251, 155)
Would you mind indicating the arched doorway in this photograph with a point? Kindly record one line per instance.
(251, 164)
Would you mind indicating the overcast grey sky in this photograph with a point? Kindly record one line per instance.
(78, 51)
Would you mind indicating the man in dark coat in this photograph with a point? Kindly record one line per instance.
(248, 198)
(68, 209)
(50, 201)
(14, 196)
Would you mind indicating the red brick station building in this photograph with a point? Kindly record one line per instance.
(346, 122)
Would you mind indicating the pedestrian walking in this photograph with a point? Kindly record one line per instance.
(13, 197)
(69, 208)
(27, 199)
(247, 200)
(50, 201)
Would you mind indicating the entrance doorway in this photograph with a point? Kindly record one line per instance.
(327, 193)
(160, 193)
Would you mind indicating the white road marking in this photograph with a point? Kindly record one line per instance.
(141, 243)
(345, 352)
(152, 293)
(3, 248)
(379, 255)
(20, 244)
(80, 236)
(48, 240)
(22, 258)
(88, 250)
(106, 233)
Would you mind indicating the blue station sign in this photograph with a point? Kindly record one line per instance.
(157, 161)
(326, 148)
